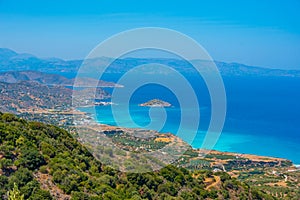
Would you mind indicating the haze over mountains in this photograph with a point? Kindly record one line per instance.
(59, 167)
(51, 79)
(12, 61)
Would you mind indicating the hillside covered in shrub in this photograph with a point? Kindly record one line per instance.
(40, 161)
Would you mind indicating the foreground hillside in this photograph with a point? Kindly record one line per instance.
(45, 162)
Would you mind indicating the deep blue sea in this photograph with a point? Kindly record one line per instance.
(263, 114)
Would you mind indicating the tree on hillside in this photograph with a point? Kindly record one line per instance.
(15, 194)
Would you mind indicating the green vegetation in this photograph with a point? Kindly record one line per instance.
(221, 157)
(40, 161)
(15, 194)
(127, 142)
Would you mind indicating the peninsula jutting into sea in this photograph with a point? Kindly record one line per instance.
(44, 97)
(149, 100)
(99, 152)
(47, 97)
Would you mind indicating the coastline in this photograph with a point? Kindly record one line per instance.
(225, 152)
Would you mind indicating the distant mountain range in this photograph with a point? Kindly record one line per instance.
(50, 79)
(12, 61)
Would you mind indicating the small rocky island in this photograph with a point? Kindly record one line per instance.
(156, 103)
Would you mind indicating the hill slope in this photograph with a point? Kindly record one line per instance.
(51, 79)
(46, 162)
(28, 95)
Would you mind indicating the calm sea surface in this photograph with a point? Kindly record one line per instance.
(263, 114)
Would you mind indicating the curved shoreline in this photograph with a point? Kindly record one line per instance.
(216, 150)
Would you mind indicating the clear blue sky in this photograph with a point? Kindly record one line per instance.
(255, 32)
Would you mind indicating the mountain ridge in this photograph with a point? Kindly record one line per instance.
(55, 65)
(51, 79)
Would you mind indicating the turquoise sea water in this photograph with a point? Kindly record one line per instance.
(263, 115)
